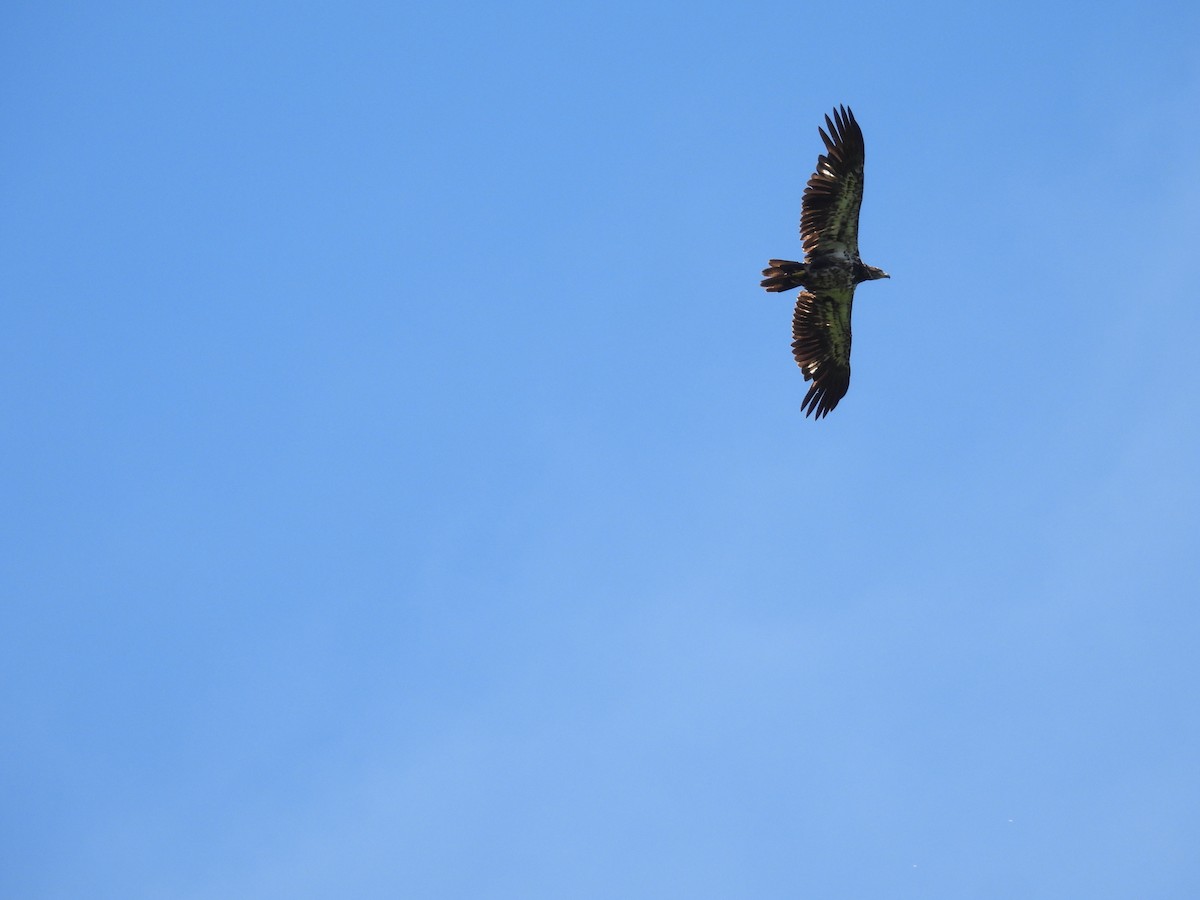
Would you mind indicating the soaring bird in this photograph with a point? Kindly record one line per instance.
(831, 269)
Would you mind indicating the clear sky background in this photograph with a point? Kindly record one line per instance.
(405, 491)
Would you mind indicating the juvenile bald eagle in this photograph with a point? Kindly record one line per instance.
(831, 268)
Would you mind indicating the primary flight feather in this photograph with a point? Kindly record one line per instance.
(831, 269)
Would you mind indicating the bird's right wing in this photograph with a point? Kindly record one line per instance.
(833, 197)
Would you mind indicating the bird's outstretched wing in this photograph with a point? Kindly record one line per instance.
(821, 345)
(829, 215)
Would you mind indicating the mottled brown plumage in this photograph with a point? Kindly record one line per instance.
(831, 269)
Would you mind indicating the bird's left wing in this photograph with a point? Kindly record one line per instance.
(821, 346)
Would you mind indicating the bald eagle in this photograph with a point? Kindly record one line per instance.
(831, 268)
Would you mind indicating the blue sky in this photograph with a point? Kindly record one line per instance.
(406, 492)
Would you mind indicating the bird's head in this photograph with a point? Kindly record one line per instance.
(874, 273)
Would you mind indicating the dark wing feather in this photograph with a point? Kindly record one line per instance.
(821, 329)
(829, 216)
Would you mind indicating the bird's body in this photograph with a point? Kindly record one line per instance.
(831, 269)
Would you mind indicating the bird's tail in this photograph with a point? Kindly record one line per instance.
(783, 275)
